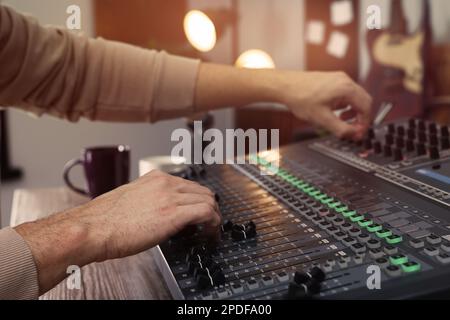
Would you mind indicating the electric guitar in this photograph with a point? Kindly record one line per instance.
(398, 74)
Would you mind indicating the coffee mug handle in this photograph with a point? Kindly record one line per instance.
(69, 165)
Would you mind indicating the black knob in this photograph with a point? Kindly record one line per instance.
(387, 151)
(412, 123)
(398, 154)
(445, 143)
(411, 134)
(434, 153)
(227, 225)
(371, 134)
(217, 197)
(434, 140)
(400, 143)
(209, 277)
(432, 128)
(401, 131)
(391, 128)
(422, 137)
(444, 132)
(421, 150)
(389, 139)
(243, 231)
(409, 145)
(421, 125)
(377, 147)
(317, 274)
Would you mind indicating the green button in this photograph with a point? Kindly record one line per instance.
(394, 239)
(410, 267)
(374, 228)
(384, 233)
(365, 223)
(321, 197)
(348, 214)
(334, 204)
(357, 218)
(327, 201)
(309, 189)
(341, 209)
(398, 259)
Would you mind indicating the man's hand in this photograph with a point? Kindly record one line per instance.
(123, 222)
(311, 96)
(314, 96)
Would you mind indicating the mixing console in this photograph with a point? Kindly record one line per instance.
(326, 213)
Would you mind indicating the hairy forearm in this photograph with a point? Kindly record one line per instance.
(58, 242)
(220, 86)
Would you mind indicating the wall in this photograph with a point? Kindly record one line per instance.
(42, 146)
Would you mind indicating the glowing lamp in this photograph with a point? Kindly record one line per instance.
(255, 59)
(200, 30)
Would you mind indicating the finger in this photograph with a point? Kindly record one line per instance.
(181, 199)
(200, 214)
(194, 188)
(339, 128)
(361, 102)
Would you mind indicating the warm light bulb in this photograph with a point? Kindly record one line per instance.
(255, 59)
(200, 31)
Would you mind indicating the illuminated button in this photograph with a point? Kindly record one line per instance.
(347, 226)
(348, 241)
(327, 200)
(393, 271)
(252, 284)
(334, 204)
(348, 214)
(340, 235)
(321, 197)
(354, 232)
(343, 264)
(384, 233)
(398, 259)
(237, 288)
(357, 218)
(394, 239)
(358, 259)
(267, 280)
(358, 248)
(338, 222)
(365, 223)
(341, 209)
(410, 267)
(374, 228)
(363, 237)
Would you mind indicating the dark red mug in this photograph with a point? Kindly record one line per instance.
(105, 169)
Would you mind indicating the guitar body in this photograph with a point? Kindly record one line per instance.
(398, 59)
(396, 74)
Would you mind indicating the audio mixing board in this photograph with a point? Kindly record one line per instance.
(328, 210)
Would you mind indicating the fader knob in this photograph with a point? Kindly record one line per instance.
(409, 145)
(445, 143)
(421, 150)
(371, 134)
(411, 134)
(401, 131)
(227, 225)
(377, 147)
(389, 139)
(445, 131)
(243, 231)
(398, 154)
(432, 128)
(368, 144)
(421, 125)
(387, 151)
(317, 274)
(412, 123)
(422, 137)
(434, 153)
(391, 128)
(400, 143)
(434, 140)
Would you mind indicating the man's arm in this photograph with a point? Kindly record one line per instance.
(123, 222)
(311, 96)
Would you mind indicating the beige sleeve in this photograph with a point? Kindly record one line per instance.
(18, 274)
(57, 72)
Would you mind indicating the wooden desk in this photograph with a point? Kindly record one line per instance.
(135, 277)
